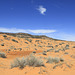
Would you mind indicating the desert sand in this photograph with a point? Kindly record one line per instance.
(23, 47)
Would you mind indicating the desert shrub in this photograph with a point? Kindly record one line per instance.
(20, 49)
(63, 43)
(49, 49)
(2, 44)
(2, 54)
(4, 36)
(11, 47)
(19, 62)
(30, 40)
(34, 61)
(56, 51)
(66, 53)
(55, 60)
(49, 46)
(49, 60)
(35, 48)
(39, 46)
(14, 40)
(29, 60)
(48, 43)
(44, 53)
(56, 45)
(37, 40)
(15, 49)
(26, 42)
(60, 43)
(34, 51)
(67, 46)
(73, 47)
(34, 44)
(63, 49)
(9, 50)
(61, 59)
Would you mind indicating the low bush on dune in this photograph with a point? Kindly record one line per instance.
(4, 35)
(2, 44)
(44, 53)
(67, 46)
(30, 40)
(19, 62)
(30, 61)
(73, 47)
(15, 40)
(55, 60)
(2, 54)
(34, 61)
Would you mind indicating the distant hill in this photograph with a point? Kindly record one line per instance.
(26, 35)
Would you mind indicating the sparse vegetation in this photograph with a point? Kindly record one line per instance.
(73, 47)
(26, 42)
(30, 40)
(30, 61)
(44, 53)
(50, 50)
(2, 44)
(55, 60)
(2, 54)
(4, 35)
(49, 46)
(34, 51)
(61, 59)
(49, 60)
(56, 51)
(67, 46)
(15, 40)
(19, 62)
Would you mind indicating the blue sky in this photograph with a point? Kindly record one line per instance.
(54, 18)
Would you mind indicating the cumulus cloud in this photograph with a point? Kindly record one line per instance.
(14, 30)
(42, 10)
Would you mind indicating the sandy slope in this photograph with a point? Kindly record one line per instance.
(62, 68)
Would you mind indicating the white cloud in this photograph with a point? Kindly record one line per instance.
(42, 31)
(14, 30)
(68, 37)
(62, 36)
(51, 33)
(42, 10)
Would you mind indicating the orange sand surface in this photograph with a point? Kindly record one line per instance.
(22, 49)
